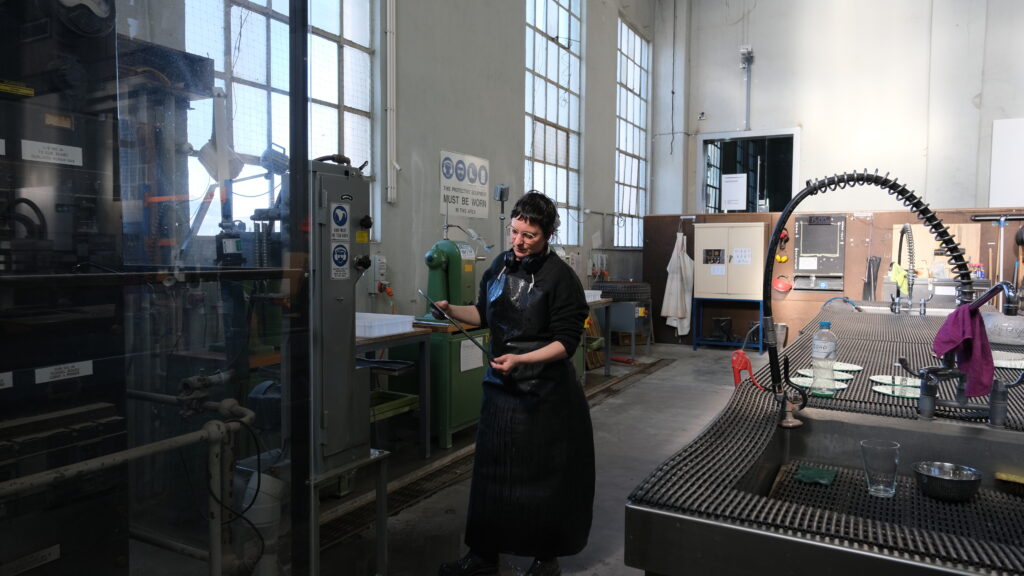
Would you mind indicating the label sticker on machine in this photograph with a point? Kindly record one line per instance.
(52, 153)
(470, 357)
(339, 262)
(741, 255)
(63, 371)
(466, 252)
(340, 229)
(808, 263)
(6, 380)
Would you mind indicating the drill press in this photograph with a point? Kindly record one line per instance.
(457, 366)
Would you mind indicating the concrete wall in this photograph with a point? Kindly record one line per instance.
(908, 87)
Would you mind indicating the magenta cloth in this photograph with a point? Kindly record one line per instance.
(964, 332)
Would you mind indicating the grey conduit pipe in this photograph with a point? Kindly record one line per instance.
(213, 433)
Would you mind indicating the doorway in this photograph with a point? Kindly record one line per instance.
(747, 171)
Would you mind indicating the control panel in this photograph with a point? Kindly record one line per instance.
(819, 251)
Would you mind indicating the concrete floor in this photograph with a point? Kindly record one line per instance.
(640, 422)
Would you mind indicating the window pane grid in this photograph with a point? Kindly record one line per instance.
(712, 184)
(552, 106)
(251, 63)
(631, 137)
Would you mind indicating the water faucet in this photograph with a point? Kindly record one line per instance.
(923, 306)
(931, 376)
(1010, 299)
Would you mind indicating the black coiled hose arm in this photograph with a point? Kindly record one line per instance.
(837, 182)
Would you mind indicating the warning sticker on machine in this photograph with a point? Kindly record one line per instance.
(63, 371)
(339, 262)
(52, 153)
(340, 230)
(6, 380)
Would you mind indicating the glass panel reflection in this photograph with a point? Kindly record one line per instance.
(152, 289)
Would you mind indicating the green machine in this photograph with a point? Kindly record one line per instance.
(457, 366)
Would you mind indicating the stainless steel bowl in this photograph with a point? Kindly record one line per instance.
(946, 481)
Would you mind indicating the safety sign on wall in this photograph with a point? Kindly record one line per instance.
(464, 181)
(734, 191)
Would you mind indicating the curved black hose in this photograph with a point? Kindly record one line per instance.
(847, 180)
(908, 234)
(30, 225)
(336, 158)
(41, 230)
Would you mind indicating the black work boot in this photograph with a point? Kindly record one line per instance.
(469, 565)
(544, 568)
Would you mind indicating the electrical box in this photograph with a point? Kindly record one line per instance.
(728, 260)
(378, 274)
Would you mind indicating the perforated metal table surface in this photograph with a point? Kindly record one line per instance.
(693, 514)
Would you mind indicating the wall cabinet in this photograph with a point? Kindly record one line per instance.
(728, 260)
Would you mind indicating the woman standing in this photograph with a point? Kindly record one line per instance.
(532, 491)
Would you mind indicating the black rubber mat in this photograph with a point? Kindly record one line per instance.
(700, 479)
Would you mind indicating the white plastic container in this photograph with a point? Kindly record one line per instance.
(369, 325)
(592, 295)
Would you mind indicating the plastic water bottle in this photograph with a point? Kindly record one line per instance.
(824, 349)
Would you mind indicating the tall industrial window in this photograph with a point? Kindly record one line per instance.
(251, 66)
(713, 177)
(553, 55)
(634, 78)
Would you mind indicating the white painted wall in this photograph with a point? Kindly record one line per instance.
(460, 83)
(909, 87)
(669, 119)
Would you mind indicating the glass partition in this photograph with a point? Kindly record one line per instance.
(156, 279)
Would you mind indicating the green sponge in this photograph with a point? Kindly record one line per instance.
(815, 475)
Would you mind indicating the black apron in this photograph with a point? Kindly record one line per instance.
(532, 492)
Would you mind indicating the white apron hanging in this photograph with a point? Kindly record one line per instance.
(678, 288)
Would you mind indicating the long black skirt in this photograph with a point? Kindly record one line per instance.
(532, 492)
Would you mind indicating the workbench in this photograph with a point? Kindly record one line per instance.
(420, 337)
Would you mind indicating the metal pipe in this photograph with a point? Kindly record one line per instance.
(213, 432)
(227, 407)
(160, 541)
(213, 464)
(1002, 230)
(746, 60)
(390, 111)
(1010, 301)
(78, 469)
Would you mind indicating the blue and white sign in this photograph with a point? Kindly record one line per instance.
(464, 181)
(339, 262)
(340, 215)
(340, 229)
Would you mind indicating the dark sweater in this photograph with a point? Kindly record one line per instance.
(564, 305)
